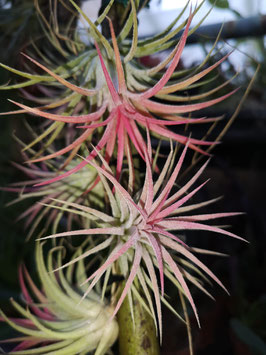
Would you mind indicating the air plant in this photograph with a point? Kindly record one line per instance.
(138, 233)
(121, 112)
(74, 188)
(112, 105)
(53, 321)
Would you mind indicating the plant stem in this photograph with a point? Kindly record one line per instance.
(139, 338)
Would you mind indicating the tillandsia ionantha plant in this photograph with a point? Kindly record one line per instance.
(54, 320)
(71, 189)
(102, 108)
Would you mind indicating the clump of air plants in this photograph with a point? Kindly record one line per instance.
(54, 320)
(108, 105)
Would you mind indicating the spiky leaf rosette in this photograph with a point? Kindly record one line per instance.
(138, 234)
(115, 96)
(54, 320)
(82, 187)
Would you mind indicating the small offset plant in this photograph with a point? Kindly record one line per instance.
(55, 320)
(110, 216)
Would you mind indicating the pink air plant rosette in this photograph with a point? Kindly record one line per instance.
(122, 112)
(139, 232)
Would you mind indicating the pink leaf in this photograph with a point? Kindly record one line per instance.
(161, 231)
(108, 79)
(71, 146)
(131, 277)
(110, 230)
(191, 257)
(120, 144)
(133, 132)
(92, 155)
(185, 83)
(185, 188)
(180, 278)
(73, 87)
(158, 107)
(167, 211)
(111, 259)
(206, 217)
(166, 133)
(27, 344)
(173, 224)
(119, 67)
(164, 79)
(67, 119)
(158, 203)
(155, 288)
(158, 253)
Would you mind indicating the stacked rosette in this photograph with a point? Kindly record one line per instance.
(104, 105)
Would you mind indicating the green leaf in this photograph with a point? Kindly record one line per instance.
(247, 336)
(222, 4)
(123, 2)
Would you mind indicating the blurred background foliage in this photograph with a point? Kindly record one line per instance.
(231, 325)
